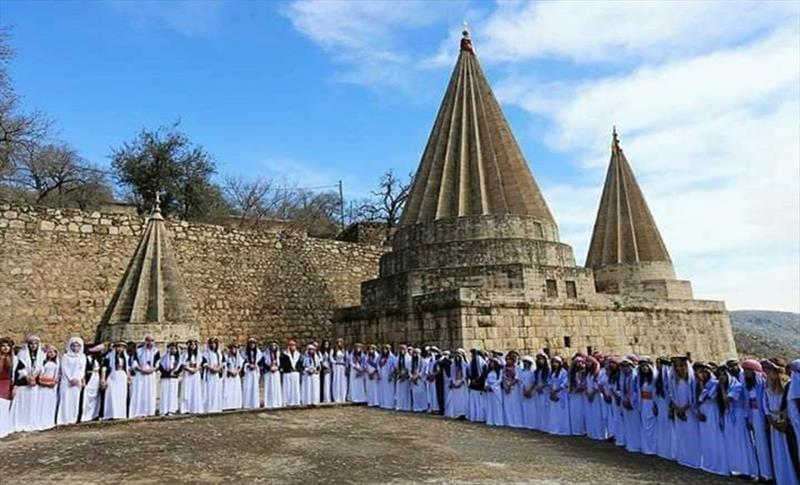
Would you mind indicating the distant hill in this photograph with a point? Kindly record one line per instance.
(766, 334)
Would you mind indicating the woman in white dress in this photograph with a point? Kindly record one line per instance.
(416, 380)
(170, 369)
(494, 397)
(386, 376)
(273, 390)
(191, 380)
(232, 391)
(251, 362)
(213, 374)
(48, 390)
(457, 400)
(73, 370)
(326, 371)
(357, 391)
(338, 360)
(30, 360)
(512, 393)
(540, 387)
(114, 378)
(373, 374)
(527, 381)
(310, 386)
(7, 360)
(91, 390)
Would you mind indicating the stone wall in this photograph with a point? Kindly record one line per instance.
(467, 318)
(59, 270)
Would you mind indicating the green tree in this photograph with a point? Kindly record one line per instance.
(166, 161)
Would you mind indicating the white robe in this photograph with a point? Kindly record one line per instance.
(325, 377)
(91, 393)
(232, 389)
(273, 389)
(251, 398)
(559, 410)
(494, 399)
(418, 384)
(358, 378)
(143, 389)
(373, 381)
(526, 382)
(310, 385)
(339, 376)
(169, 403)
(26, 399)
(402, 386)
(512, 398)
(430, 383)
(595, 424)
(476, 411)
(291, 381)
(457, 399)
(73, 366)
(577, 402)
(386, 383)
(48, 397)
(116, 395)
(191, 385)
(213, 382)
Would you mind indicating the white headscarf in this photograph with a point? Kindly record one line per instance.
(145, 356)
(166, 360)
(73, 364)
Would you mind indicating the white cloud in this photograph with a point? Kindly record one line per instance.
(623, 30)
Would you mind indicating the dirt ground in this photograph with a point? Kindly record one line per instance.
(332, 444)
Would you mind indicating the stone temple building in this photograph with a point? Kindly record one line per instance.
(477, 262)
(150, 299)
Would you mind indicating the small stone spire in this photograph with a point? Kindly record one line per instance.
(155, 213)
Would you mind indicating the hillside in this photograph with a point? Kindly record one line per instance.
(766, 334)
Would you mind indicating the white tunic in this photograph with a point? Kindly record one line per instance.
(291, 381)
(251, 397)
(430, 382)
(213, 381)
(373, 380)
(457, 399)
(191, 385)
(91, 393)
(325, 377)
(339, 376)
(310, 386)
(386, 382)
(418, 384)
(358, 378)
(170, 372)
(48, 397)
(73, 367)
(402, 387)
(26, 398)
(115, 406)
(232, 390)
(273, 392)
(145, 382)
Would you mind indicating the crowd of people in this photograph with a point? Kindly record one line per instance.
(739, 418)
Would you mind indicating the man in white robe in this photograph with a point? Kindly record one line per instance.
(251, 360)
(114, 377)
(402, 387)
(273, 388)
(291, 366)
(373, 377)
(91, 391)
(358, 375)
(417, 382)
(476, 411)
(431, 370)
(386, 375)
(192, 394)
(73, 369)
(145, 382)
(170, 369)
(338, 359)
(232, 386)
(30, 360)
(310, 385)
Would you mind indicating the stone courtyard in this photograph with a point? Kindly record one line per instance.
(346, 444)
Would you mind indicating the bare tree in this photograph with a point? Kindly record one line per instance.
(19, 132)
(251, 200)
(57, 175)
(386, 204)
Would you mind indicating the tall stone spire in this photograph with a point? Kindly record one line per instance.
(626, 252)
(472, 164)
(625, 231)
(150, 298)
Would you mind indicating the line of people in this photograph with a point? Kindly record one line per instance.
(739, 418)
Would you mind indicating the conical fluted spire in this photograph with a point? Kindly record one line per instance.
(625, 231)
(151, 290)
(472, 164)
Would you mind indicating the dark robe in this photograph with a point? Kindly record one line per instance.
(443, 366)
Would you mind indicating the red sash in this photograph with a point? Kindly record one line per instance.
(647, 395)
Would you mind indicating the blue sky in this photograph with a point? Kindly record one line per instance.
(706, 96)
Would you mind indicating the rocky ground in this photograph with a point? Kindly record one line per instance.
(332, 444)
